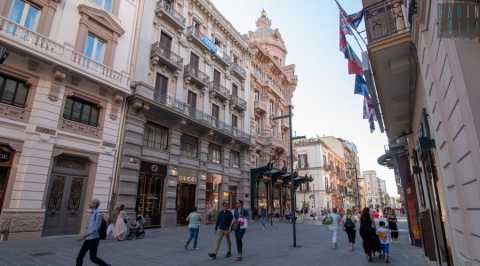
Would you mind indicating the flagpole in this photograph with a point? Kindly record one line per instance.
(354, 36)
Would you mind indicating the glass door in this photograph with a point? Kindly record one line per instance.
(149, 196)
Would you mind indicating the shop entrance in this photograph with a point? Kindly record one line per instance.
(212, 197)
(149, 195)
(66, 195)
(6, 155)
(185, 201)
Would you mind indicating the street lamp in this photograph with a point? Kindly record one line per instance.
(293, 197)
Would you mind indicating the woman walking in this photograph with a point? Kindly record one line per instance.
(368, 233)
(349, 222)
(392, 224)
(194, 220)
(120, 230)
(335, 219)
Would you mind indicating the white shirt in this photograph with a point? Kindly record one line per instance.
(335, 221)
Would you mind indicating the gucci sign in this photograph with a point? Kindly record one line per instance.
(187, 179)
(4, 155)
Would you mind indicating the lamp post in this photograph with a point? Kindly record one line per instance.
(293, 196)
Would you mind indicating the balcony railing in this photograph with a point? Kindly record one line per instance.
(260, 106)
(218, 90)
(239, 71)
(167, 9)
(35, 43)
(384, 19)
(223, 58)
(200, 117)
(196, 75)
(238, 102)
(169, 58)
(199, 38)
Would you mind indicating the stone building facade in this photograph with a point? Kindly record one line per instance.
(186, 142)
(432, 120)
(62, 93)
(272, 83)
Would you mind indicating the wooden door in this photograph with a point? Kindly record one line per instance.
(166, 44)
(194, 61)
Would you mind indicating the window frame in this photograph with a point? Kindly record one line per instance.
(186, 142)
(215, 153)
(27, 5)
(160, 138)
(103, 3)
(83, 103)
(17, 83)
(96, 40)
(237, 159)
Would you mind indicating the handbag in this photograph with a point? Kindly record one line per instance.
(327, 220)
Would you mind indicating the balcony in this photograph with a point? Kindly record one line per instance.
(284, 124)
(219, 91)
(238, 103)
(239, 71)
(166, 10)
(199, 38)
(161, 56)
(392, 57)
(205, 120)
(196, 76)
(260, 107)
(42, 47)
(223, 58)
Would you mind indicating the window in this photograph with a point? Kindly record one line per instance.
(105, 4)
(259, 124)
(94, 48)
(81, 111)
(215, 111)
(12, 91)
(217, 42)
(272, 108)
(189, 146)
(234, 121)
(235, 159)
(25, 14)
(302, 161)
(274, 131)
(156, 137)
(235, 59)
(161, 86)
(234, 90)
(192, 99)
(214, 153)
(257, 96)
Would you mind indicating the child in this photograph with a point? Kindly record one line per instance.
(384, 237)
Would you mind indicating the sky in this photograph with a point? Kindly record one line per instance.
(324, 103)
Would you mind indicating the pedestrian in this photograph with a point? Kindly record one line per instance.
(392, 224)
(368, 233)
(120, 231)
(92, 236)
(222, 229)
(333, 226)
(349, 226)
(194, 219)
(240, 224)
(383, 234)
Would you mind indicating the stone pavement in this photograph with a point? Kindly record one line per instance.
(165, 247)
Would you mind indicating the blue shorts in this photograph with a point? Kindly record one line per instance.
(385, 248)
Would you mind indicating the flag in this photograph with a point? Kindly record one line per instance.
(355, 19)
(354, 64)
(361, 86)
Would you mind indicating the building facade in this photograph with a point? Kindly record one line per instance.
(186, 142)
(62, 92)
(373, 189)
(435, 145)
(272, 83)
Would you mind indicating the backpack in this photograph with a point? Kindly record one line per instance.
(349, 224)
(102, 231)
(327, 220)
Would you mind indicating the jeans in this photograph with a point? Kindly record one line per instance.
(220, 235)
(92, 246)
(193, 236)
(239, 239)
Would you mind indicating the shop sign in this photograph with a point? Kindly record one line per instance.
(4, 155)
(187, 179)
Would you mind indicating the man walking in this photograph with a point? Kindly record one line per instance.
(222, 227)
(92, 236)
(240, 224)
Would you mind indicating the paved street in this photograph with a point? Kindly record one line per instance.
(165, 247)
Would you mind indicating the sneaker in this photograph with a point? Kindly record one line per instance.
(229, 254)
(212, 255)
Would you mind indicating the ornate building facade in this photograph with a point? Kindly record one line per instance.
(272, 84)
(186, 140)
(62, 93)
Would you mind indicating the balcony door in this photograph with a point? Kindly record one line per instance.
(234, 90)
(192, 102)
(161, 87)
(166, 44)
(194, 62)
(216, 78)
(215, 113)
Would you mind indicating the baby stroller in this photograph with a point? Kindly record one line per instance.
(136, 230)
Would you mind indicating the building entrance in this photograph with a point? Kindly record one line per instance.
(185, 201)
(150, 193)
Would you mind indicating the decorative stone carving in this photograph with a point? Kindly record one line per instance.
(59, 74)
(80, 128)
(75, 80)
(13, 112)
(55, 89)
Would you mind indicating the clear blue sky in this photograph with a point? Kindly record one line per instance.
(324, 100)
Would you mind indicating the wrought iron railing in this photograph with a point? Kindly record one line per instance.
(239, 70)
(168, 9)
(218, 88)
(238, 101)
(35, 42)
(196, 73)
(200, 117)
(384, 19)
(158, 50)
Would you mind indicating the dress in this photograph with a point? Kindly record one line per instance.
(120, 231)
(392, 225)
(369, 236)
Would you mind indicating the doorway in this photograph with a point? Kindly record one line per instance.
(185, 201)
(3, 184)
(66, 196)
(6, 157)
(150, 193)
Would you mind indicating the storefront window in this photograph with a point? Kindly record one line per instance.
(212, 197)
